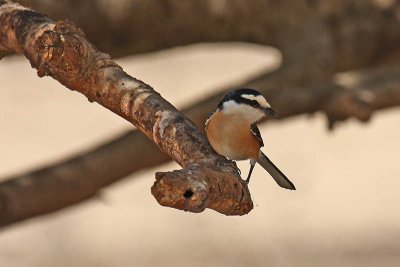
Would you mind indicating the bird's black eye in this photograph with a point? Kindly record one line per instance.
(254, 103)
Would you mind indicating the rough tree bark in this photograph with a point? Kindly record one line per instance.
(60, 50)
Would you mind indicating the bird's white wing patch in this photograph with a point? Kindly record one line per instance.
(254, 130)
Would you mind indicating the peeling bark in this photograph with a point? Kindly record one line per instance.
(60, 50)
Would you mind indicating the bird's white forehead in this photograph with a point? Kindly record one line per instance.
(259, 98)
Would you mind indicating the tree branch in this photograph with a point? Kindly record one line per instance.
(60, 50)
(354, 94)
(314, 34)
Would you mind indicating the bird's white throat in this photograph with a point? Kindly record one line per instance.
(249, 113)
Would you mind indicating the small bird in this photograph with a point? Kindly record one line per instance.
(232, 131)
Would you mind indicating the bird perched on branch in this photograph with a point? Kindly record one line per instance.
(233, 133)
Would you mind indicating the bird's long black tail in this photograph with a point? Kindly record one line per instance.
(278, 176)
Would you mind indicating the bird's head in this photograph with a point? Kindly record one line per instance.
(247, 103)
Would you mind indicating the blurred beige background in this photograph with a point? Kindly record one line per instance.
(345, 211)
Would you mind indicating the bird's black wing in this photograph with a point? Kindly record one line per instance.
(254, 130)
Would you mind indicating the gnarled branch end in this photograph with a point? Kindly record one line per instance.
(198, 187)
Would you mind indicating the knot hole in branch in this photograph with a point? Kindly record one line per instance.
(188, 193)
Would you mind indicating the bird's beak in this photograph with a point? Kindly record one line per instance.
(270, 112)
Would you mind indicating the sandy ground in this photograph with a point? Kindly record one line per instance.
(344, 213)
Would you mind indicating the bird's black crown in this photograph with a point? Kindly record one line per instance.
(236, 95)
